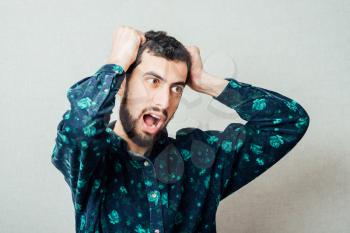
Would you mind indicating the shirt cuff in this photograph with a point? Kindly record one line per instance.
(114, 68)
(232, 93)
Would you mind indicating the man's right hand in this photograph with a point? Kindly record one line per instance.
(125, 45)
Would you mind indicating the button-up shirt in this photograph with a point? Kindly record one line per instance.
(177, 187)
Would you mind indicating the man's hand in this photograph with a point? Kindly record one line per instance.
(200, 80)
(125, 45)
(197, 68)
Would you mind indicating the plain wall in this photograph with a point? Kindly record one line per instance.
(297, 48)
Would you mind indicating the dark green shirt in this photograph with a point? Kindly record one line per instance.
(177, 187)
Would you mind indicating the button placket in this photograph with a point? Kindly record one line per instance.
(153, 197)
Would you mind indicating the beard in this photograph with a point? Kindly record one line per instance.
(129, 123)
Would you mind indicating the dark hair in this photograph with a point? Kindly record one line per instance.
(162, 45)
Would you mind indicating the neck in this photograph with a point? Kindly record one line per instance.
(136, 149)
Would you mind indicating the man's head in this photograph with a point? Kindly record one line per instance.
(154, 84)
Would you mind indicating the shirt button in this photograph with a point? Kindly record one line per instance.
(146, 163)
(154, 195)
(156, 231)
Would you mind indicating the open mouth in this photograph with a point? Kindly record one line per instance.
(152, 121)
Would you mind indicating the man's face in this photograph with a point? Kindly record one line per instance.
(154, 87)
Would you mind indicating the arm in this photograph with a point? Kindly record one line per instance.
(275, 124)
(81, 142)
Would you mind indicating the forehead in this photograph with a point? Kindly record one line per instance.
(173, 71)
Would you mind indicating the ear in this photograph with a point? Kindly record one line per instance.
(122, 88)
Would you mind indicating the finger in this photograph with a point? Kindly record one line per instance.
(191, 48)
(142, 36)
(143, 39)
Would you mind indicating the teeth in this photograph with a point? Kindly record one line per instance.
(155, 116)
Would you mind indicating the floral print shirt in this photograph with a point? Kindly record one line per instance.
(177, 187)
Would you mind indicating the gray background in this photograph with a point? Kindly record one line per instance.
(297, 48)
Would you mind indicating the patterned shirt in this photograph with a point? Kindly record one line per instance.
(177, 187)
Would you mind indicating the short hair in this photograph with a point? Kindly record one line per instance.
(162, 45)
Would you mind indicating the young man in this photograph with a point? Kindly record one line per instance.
(129, 175)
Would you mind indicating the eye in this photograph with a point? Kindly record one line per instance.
(153, 81)
(178, 89)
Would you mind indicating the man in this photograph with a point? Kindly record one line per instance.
(129, 175)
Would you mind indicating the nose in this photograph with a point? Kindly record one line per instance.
(162, 98)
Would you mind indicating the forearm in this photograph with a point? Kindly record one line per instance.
(264, 109)
(212, 85)
(92, 100)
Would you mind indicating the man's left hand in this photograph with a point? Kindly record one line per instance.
(195, 81)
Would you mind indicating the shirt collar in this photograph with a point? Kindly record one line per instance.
(163, 134)
(159, 143)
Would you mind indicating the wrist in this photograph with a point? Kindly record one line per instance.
(212, 85)
(118, 62)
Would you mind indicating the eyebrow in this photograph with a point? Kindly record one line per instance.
(160, 77)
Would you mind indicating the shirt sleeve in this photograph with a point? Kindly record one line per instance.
(81, 141)
(275, 124)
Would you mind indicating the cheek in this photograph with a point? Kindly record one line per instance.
(172, 110)
(139, 98)
(174, 103)
(143, 91)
